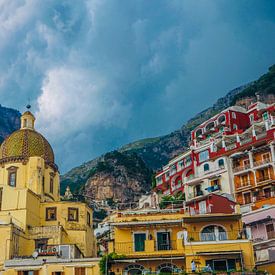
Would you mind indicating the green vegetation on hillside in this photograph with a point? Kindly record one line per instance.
(264, 85)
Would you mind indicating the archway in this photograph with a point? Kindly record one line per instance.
(133, 269)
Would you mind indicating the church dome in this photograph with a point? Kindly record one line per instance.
(26, 142)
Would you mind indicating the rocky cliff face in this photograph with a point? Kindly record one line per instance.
(124, 184)
(120, 177)
(9, 122)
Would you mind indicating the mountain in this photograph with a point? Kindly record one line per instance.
(153, 153)
(9, 121)
(115, 176)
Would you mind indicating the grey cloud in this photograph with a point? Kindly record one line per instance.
(102, 73)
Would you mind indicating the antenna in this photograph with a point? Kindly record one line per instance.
(29, 104)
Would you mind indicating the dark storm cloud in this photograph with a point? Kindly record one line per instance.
(103, 73)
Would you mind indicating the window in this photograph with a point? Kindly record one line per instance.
(51, 214)
(233, 115)
(51, 185)
(12, 175)
(263, 175)
(266, 157)
(188, 161)
(198, 132)
(247, 198)
(180, 165)
(235, 127)
(173, 169)
(221, 119)
(206, 167)
(73, 214)
(221, 163)
(204, 155)
(251, 118)
(213, 233)
(198, 191)
(267, 192)
(139, 241)
(270, 231)
(58, 273)
(215, 182)
(246, 162)
(28, 272)
(163, 241)
(88, 218)
(244, 180)
(265, 116)
(202, 207)
(79, 271)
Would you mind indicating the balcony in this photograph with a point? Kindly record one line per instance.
(245, 141)
(149, 246)
(263, 179)
(40, 232)
(243, 168)
(213, 188)
(66, 251)
(243, 185)
(262, 163)
(216, 236)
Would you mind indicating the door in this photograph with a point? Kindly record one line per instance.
(139, 241)
(270, 231)
(163, 240)
(202, 207)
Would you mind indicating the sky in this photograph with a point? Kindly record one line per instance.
(103, 73)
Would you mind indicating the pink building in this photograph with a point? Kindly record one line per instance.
(262, 223)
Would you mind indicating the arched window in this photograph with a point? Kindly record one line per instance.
(206, 167)
(134, 269)
(198, 132)
(168, 268)
(221, 119)
(213, 233)
(209, 126)
(221, 163)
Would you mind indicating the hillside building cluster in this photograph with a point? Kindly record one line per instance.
(232, 155)
(225, 216)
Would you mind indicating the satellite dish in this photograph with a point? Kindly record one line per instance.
(35, 254)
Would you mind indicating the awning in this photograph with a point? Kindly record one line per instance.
(211, 217)
(146, 223)
(148, 259)
(220, 253)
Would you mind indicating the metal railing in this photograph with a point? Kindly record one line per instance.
(168, 245)
(216, 236)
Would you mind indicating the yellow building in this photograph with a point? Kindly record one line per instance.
(51, 235)
(164, 242)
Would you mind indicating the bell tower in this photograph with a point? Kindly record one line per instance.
(27, 119)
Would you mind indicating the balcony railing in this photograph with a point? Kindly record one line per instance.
(69, 251)
(244, 184)
(262, 162)
(146, 246)
(241, 168)
(169, 245)
(216, 236)
(245, 141)
(262, 179)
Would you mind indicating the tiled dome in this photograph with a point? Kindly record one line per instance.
(26, 143)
